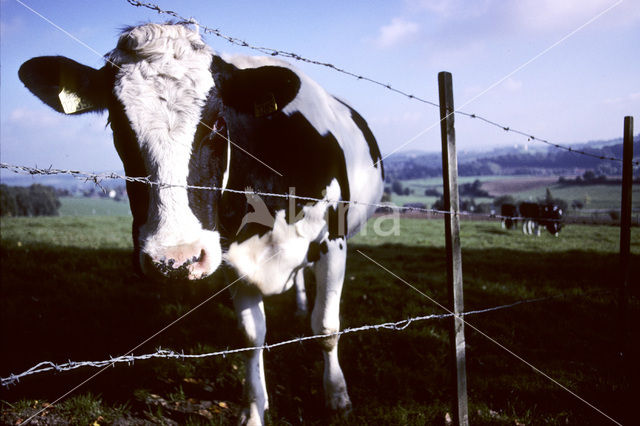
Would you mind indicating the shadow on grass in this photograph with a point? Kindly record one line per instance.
(66, 304)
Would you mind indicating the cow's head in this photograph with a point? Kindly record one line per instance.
(155, 86)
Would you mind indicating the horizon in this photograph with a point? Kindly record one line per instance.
(578, 91)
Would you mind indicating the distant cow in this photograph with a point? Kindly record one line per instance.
(509, 213)
(536, 215)
(183, 115)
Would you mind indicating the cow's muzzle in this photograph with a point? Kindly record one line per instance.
(190, 261)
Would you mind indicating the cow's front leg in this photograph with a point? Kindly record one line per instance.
(325, 319)
(250, 310)
(301, 295)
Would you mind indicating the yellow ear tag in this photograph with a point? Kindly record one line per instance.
(71, 102)
(265, 106)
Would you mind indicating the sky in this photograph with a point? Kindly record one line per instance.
(566, 71)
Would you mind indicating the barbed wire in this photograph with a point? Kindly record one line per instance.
(291, 55)
(531, 137)
(46, 366)
(274, 52)
(96, 178)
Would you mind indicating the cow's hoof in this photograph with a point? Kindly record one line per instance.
(249, 417)
(340, 404)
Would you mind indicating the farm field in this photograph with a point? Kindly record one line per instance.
(77, 206)
(68, 293)
(507, 185)
(418, 187)
(593, 197)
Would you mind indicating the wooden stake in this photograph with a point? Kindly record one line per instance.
(454, 255)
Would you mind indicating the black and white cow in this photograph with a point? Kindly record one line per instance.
(536, 215)
(183, 115)
(509, 213)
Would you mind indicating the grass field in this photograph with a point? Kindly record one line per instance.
(418, 187)
(77, 206)
(522, 188)
(68, 293)
(593, 196)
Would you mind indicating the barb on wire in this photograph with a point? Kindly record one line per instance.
(400, 325)
(291, 55)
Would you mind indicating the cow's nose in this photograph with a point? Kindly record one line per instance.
(188, 261)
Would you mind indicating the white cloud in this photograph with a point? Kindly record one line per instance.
(512, 85)
(566, 15)
(398, 31)
(504, 17)
(457, 9)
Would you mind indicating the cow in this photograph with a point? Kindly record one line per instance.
(535, 215)
(183, 115)
(509, 213)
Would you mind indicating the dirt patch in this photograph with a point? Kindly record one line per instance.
(511, 185)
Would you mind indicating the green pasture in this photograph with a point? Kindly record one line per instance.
(418, 187)
(79, 206)
(592, 196)
(68, 292)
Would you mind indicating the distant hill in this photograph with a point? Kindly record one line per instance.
(542, 160)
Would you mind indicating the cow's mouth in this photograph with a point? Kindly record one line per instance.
(192, 261)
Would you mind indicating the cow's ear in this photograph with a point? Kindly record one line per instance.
(257, 91)
(65, 85)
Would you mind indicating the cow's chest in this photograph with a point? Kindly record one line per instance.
(270, 261)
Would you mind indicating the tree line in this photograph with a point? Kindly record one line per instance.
(35, 200)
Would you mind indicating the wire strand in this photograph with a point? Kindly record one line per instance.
(96, 178)
(128, 357)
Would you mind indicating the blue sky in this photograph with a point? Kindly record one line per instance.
(577, 91)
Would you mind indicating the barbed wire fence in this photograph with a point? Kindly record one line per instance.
(400, 325)
(97, 178)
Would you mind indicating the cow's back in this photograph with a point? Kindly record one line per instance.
(310, 142)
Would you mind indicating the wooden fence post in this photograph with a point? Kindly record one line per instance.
(454, 255)
(628, 355)
(625, 232)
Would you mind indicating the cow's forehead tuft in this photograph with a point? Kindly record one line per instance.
(156, 40)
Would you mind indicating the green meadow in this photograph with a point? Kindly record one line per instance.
(523, 188)
(79, 206)
(68, 292)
